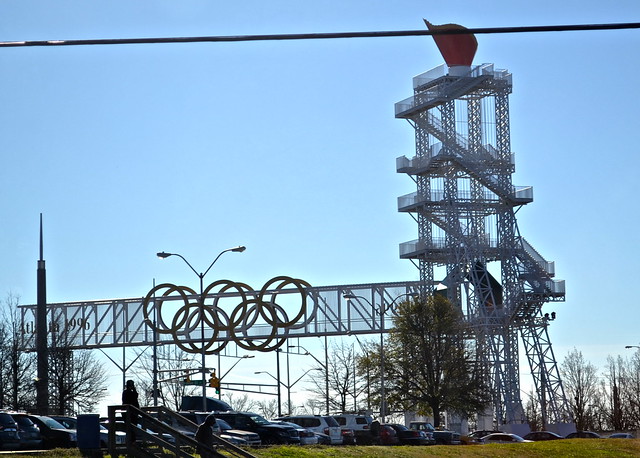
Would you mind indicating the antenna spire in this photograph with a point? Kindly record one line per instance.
(41, 244)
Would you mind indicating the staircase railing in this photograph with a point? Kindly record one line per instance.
(149, 435)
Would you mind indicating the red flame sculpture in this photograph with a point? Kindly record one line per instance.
(457, 49)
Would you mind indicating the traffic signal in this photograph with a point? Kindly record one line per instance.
(214, 382)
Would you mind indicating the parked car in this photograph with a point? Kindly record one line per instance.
(252, 439)
(408, 436)
(217, 429)
(323, 424)
(387, 436)
(195, 403)
(197, 418)
(323, 439)
(121, 437)
(583, 435)
(30, 437)
(72, 423)
(9, 438)
(54, 434)
(269, 433)
(442, 437)
(66, 421)
(348, 436)
(475, 437)
(621, 436)
(360, 424)
(542, 436)
(307, 437)
(503, 438)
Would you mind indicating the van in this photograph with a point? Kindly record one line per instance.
(196, 403)
(322, 424)
(361, 425)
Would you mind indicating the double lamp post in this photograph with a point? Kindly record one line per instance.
(287, 385)
(163, 255)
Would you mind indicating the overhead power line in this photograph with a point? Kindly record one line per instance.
(316, 36)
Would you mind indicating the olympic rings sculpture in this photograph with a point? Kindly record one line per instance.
(192, 316)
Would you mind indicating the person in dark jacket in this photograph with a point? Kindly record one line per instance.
(205, 437)
(130, 397)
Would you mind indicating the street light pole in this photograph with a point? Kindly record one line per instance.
(163, 255)
(326, 372)
(296, 381)
(288, 387)
(277, 379)
(325, 368)
(383, 310)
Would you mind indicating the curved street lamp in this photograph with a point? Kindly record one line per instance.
(278, 383)
(164, 255)
(324, 367)
(288, 387)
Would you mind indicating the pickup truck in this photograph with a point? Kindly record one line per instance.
(441, 437)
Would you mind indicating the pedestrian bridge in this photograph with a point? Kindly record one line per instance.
(232, 312)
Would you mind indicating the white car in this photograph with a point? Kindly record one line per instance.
(322, 424)
(503, 438)
(121, 437)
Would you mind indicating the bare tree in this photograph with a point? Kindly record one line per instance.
(533, 412)
(17, 369)
(369, 367)
(313, 406)
(345, 385)
(268, 409)
(77, 378)
(581, 386)
(632, 394)
(241, 403)
(616, 375)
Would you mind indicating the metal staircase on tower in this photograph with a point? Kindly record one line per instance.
(469, 245)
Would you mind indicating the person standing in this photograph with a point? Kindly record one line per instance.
(130, 397)
(375, 432)
(205, 437)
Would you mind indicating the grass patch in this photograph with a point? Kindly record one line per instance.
(570, 448)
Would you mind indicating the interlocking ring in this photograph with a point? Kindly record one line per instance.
(194, 316)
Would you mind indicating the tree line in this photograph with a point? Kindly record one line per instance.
(606, 400)
(76, 379)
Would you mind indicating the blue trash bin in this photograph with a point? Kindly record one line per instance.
(88, 431)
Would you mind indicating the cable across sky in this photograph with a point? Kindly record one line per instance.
(317, 36)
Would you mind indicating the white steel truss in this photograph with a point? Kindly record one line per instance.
(465, 207)
(121, 322)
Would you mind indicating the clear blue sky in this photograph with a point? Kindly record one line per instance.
(289, 147)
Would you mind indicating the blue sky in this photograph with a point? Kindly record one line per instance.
(289, 147)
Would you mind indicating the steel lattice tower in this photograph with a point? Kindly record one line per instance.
(469, 246)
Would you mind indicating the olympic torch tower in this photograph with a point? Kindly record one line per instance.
(469, 246)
